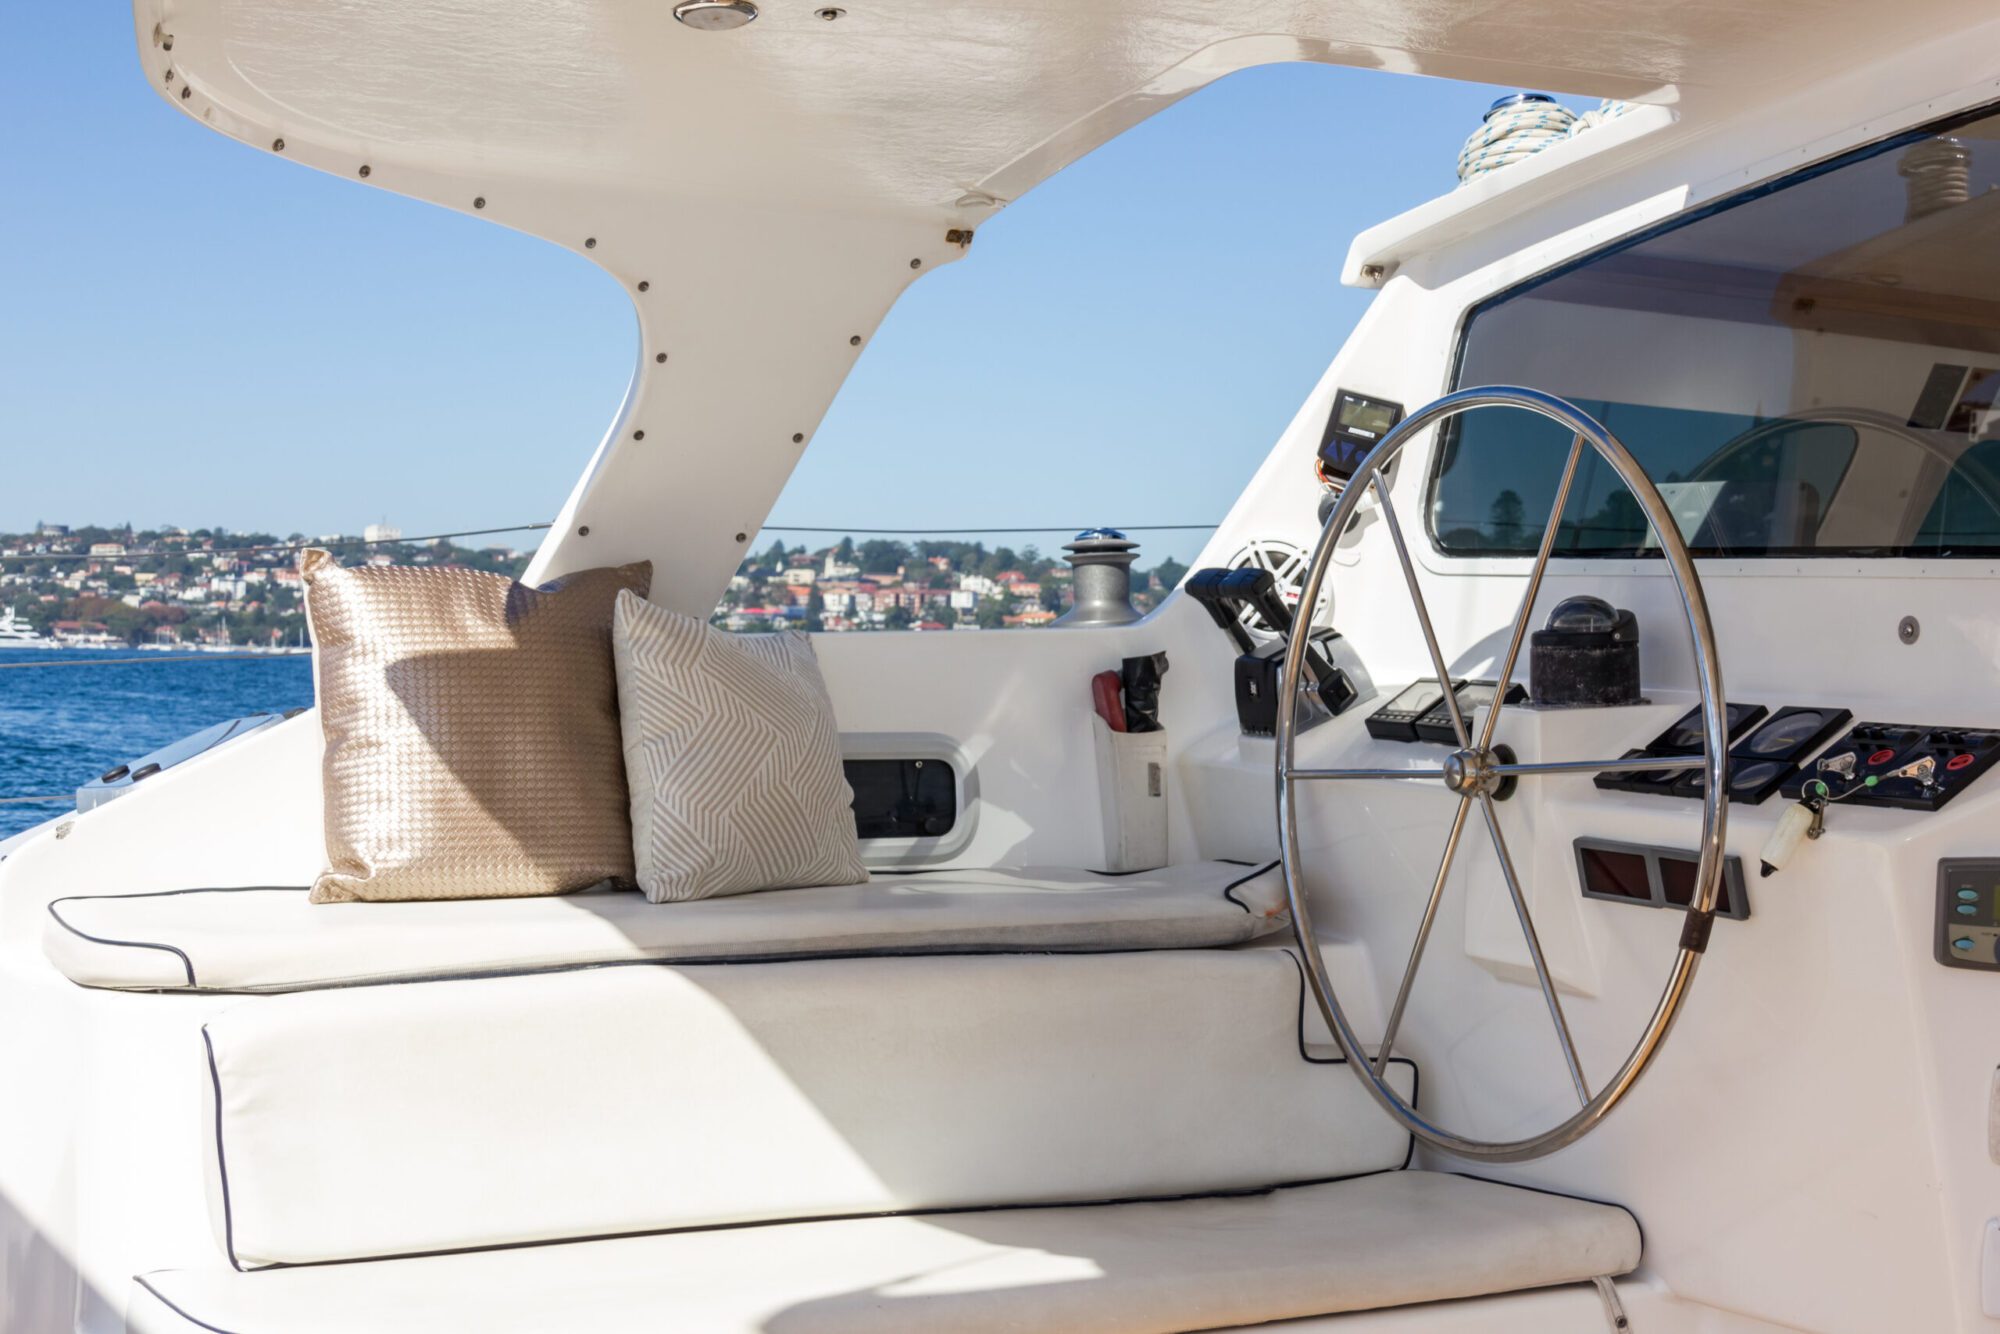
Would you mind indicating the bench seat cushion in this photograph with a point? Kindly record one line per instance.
(368, 1122)
(272, 939)
(1145, 1268)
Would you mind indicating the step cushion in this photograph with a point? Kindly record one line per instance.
(379, 1121)
(272, 939)
(1385, 1240)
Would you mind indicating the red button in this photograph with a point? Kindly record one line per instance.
(1958, 762)
(1882, 757)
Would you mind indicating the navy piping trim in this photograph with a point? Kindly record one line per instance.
(161, 1298)
(1625, 1209)
(472, 975)
(1416, 1073)
(1229, 890)
(221, 1157)
(187, 964)
(1243, 1193)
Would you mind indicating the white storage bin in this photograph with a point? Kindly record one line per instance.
(1132, 794)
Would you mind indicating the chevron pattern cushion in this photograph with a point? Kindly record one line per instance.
(732, 757)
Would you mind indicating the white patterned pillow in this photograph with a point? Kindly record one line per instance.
(732, 758)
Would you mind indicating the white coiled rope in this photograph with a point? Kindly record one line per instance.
(1939, 173)
(1523, 125)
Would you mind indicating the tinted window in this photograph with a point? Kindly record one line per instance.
(1810, 371)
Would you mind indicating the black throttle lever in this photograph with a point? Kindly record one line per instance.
(1205, 587)
(1260, 668)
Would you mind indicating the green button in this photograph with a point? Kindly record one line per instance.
(1966, 910)
(1968, 894)
(1962, 943)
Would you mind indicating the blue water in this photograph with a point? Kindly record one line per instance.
(61, 726)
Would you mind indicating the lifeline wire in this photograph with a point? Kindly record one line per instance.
(537, 527)
(989, 532)
(157, 657)
(285, 546)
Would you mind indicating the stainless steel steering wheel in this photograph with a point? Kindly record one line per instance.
(1473, 772)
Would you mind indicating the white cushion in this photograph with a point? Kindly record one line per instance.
(732, 757)
(1386, 1240)
(377, 1121)
(272, 940)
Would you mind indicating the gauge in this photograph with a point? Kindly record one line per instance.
(1786, 734)
(1684, 737)
(1747, 777)
(1750, 781)
(1795, 732)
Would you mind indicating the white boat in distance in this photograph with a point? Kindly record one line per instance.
(1486, 966)
(16, 633)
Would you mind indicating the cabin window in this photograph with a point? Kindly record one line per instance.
(1811, 369)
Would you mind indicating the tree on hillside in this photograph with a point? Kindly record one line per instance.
(883, 557)
(844, 553)
(815, 610)
(1169, 572)
(992, 613)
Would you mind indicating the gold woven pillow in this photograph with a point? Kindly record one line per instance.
(471, 724)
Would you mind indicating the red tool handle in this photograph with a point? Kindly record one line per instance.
(1106, 696)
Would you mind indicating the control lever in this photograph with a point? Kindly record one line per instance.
(1257, 589)
(1205, 587)
(1260, 668)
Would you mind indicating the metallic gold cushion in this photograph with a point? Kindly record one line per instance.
(471, 724)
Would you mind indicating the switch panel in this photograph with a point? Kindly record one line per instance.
(1901, 764)
(1968, 913)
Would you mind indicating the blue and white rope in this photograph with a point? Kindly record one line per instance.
(1514, 132)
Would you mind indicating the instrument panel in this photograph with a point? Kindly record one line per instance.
(1765, 749)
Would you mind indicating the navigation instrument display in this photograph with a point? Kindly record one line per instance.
(1355, 426)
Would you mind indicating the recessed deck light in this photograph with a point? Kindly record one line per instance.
(715, 15)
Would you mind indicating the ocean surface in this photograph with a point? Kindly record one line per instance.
(61, 726)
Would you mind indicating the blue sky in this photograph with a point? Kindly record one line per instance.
(200, 334)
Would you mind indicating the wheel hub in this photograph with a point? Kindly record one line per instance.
(1469, 772)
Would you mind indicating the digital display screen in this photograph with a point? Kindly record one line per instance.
(1362, 414)
(1416, 699)
(1355, 426)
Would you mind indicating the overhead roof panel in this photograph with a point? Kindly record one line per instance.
(903, 103)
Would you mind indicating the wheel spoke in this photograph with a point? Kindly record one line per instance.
(1423, 612)
(1629, 765)
(1436, 775)
(1535, 949)
(1528, 596)
(1423, 936)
